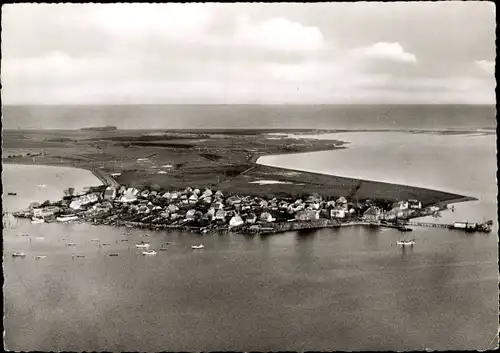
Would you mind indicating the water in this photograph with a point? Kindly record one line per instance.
(348, 289)
(251, 116)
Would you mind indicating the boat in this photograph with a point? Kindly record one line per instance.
(24, 234)
(37, 220)
(149, 252)
(18, 254)
(142, 246)
(406, 242)
(163, 249)
(71, 244)
(113, 254)
(40, 238)
(144, 235)
(201, 246)
(12, 193)
(40, 257)
(94, 240)
(404, 229)
(78, 255)
(67, 218)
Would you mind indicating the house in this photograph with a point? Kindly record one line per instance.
(263, 203)
(231, 201)
(211, 211)
(44, 212)
(193, 198)
(190, 215)
(236, 221)
(130, 195)
(307, 215)
(207, 193)
(172, 208)
(145, 193)
(342, 200)
(251, 218)
(218, 205)
(266, 217)
(196, 192)
(330, 204)
(337, 213)
(403, 205)
(188, 190)
(174, 196)
(220, 215)
(109, 193)
(433, 209)
(167, 195)
(219, 194)
(207, 199)
(373, 214)
(414, 204)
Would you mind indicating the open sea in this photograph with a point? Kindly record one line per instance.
(343, 289)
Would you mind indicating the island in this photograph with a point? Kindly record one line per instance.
(208, 180)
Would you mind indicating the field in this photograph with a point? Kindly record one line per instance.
(224, 159)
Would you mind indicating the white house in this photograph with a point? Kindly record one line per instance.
(220, 215)
(190, 215)
(307, 215)
(236, 221)
(414, 204)
(403, 205)
(266, 217)
(337, 213)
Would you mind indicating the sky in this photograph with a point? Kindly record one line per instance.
(249, 53)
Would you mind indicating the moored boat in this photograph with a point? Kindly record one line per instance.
(18, 254)
(149, 252)
(406, 242)
(37, 220)
(142, 246)
(40, 257)
(12, 193)
(201, 246)
(404, 229)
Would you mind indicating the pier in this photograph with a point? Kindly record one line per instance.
(427, 224)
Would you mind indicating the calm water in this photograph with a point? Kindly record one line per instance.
(251, 116)
(349, 289)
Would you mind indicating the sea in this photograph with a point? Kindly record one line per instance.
(332, 289)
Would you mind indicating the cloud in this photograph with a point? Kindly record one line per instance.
(173, 21)
(386, 51)
(278, 34)
(486, 66)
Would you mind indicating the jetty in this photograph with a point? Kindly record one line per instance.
(466, 226)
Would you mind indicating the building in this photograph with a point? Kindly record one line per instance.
(414, 204)
(337, 213)
(251, 218)
(373, 214)
(220, 215)
(236, 221)
(190, 215)
(109, 193)
(402, 205)
(307, 215)
(266, 217)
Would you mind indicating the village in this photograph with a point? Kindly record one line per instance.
(210, 211)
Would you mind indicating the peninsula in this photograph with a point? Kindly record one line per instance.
(151, 166)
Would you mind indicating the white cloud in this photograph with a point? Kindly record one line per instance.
(386, 51)
(486, 66)
(175, 21)
(279, 34)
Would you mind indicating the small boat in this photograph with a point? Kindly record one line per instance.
(42, 185)
(66, 218)
(201, 246)
(123, 240)
(149, 252)
(78, 255)
(40, 257)
(406, 242)
(404, 229)
(113, 254)
(145, 242)
(12, 193)
(163, 249)
(142, 245)
(71, 244)
(40, 238)
(94, 240)
(37, 220)
(24, 234)
(18, 254)
(144, 235)
(105, 244)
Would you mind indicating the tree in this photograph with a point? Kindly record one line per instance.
(71, 191)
